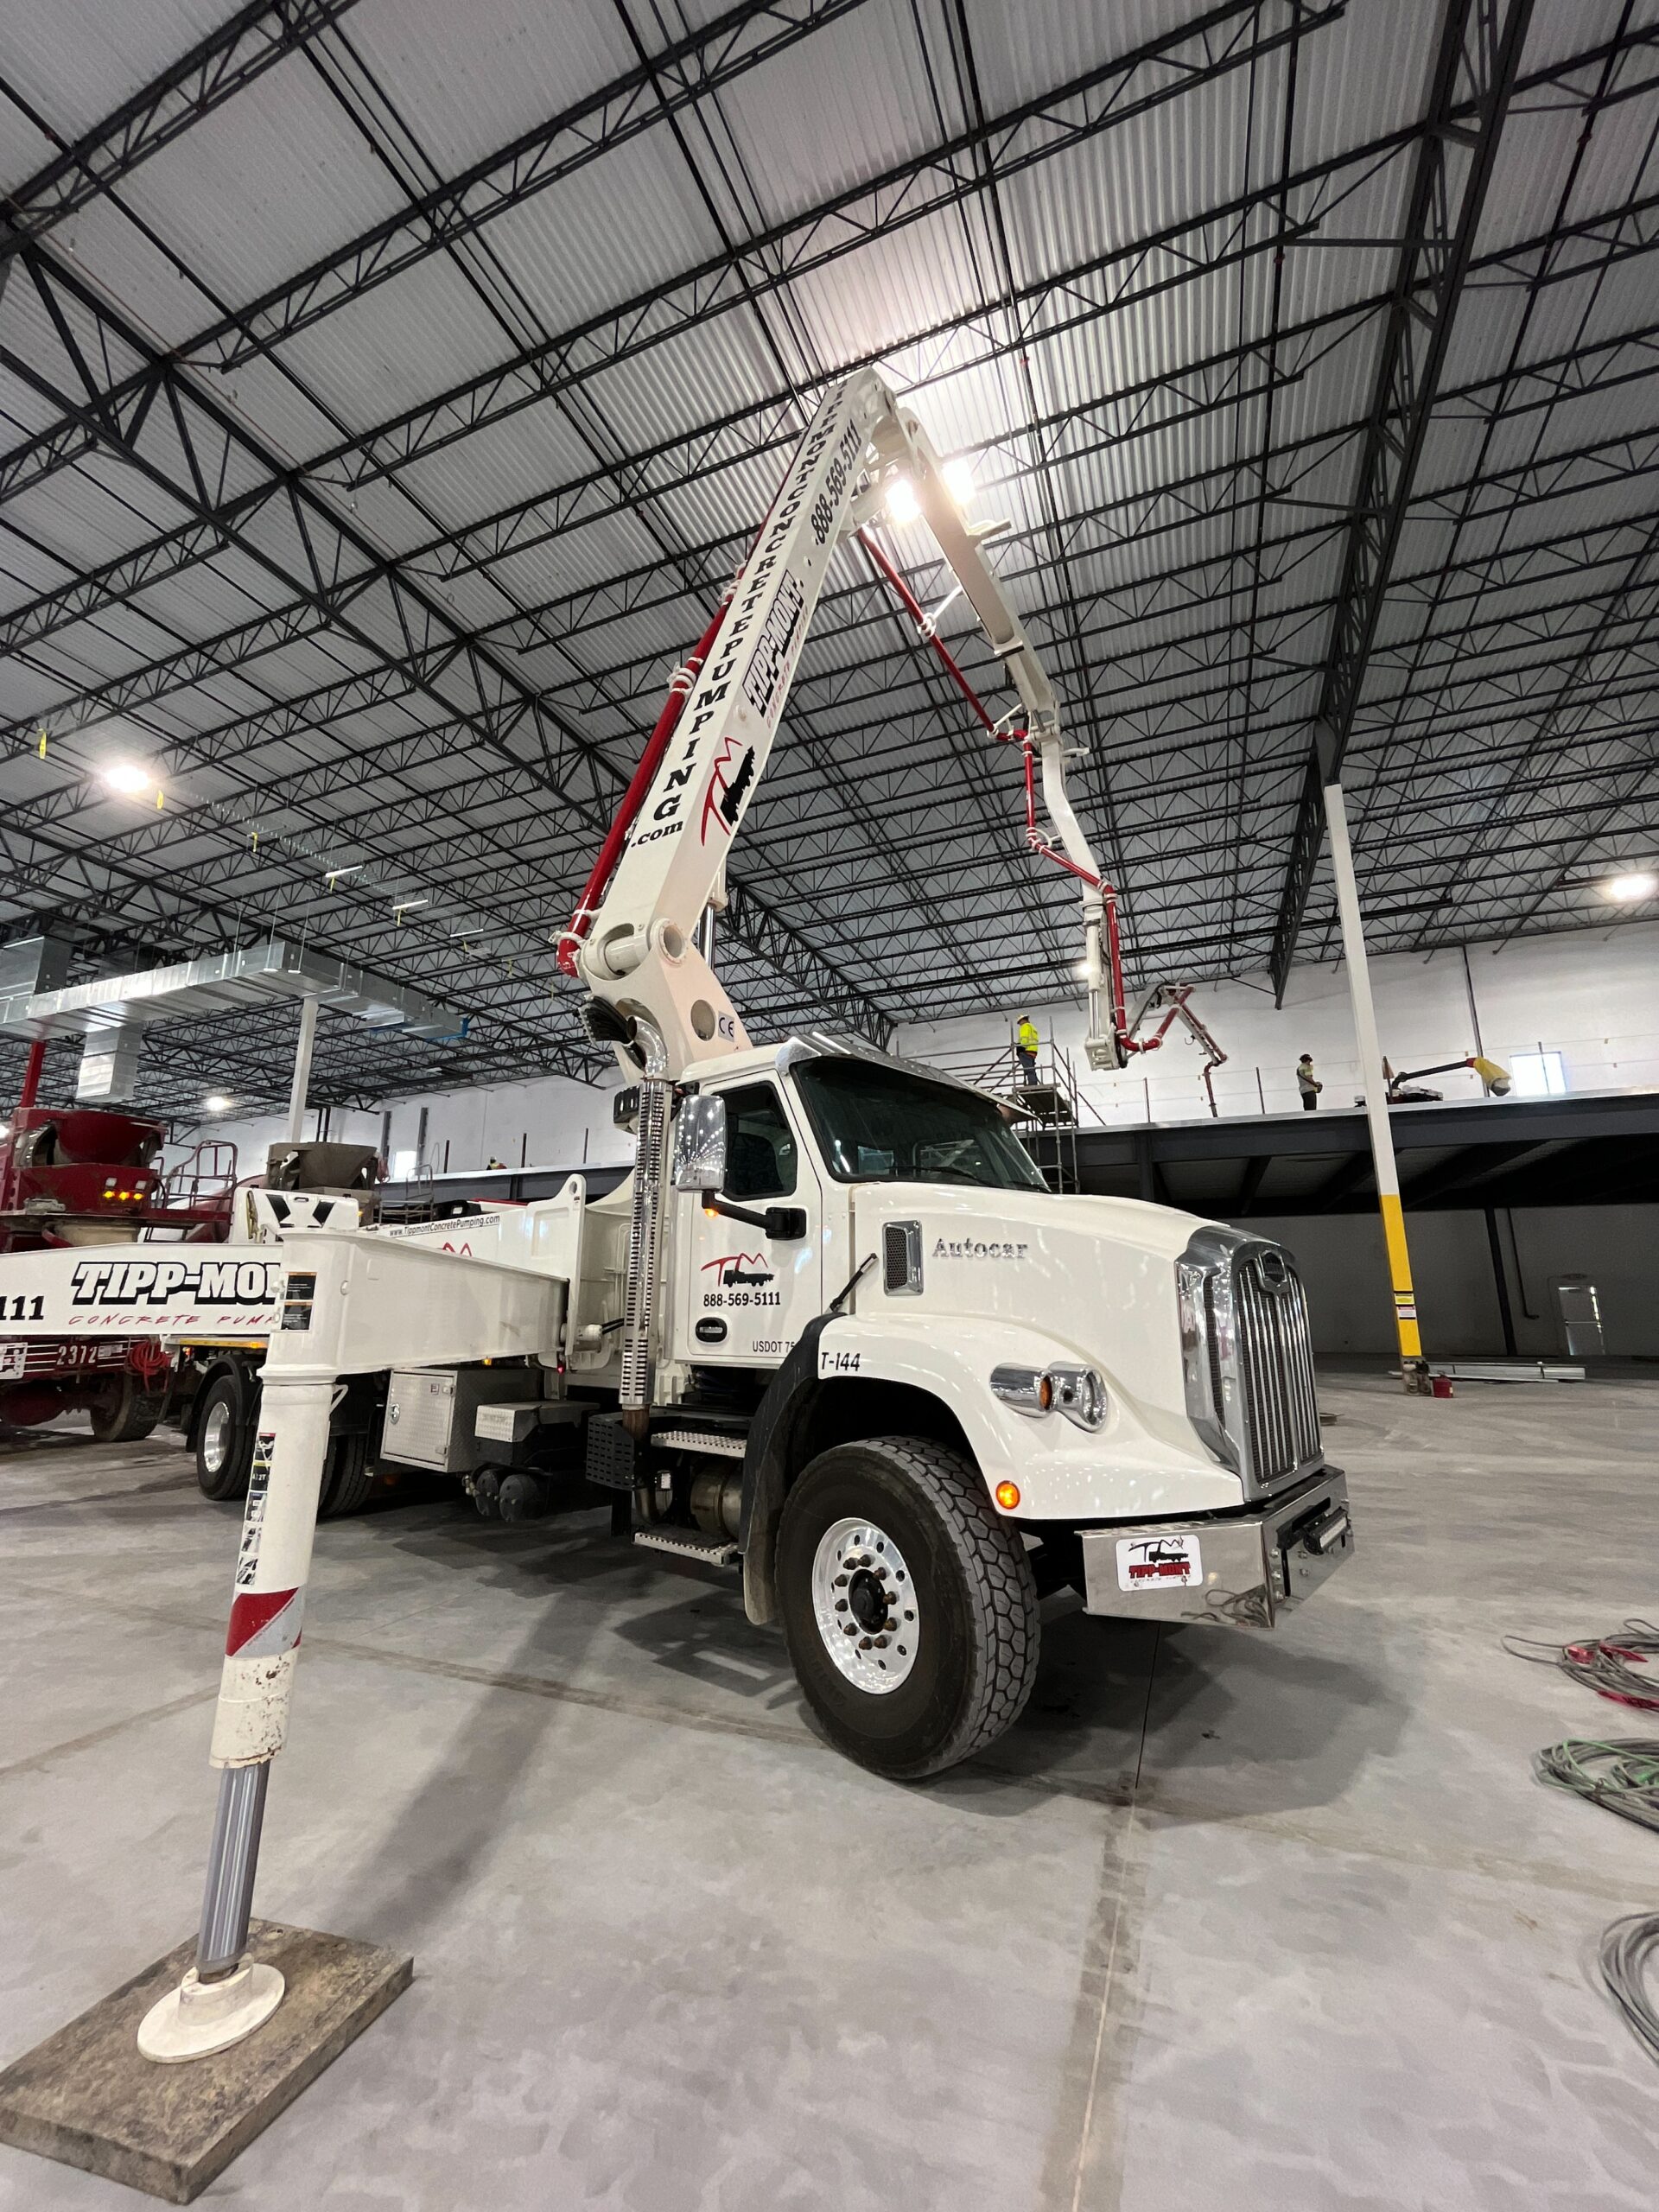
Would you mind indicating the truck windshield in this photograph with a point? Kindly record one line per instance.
(879, 1125)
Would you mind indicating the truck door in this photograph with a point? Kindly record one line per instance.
(744, 1299)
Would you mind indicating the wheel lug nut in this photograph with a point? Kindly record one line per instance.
(840, 1604)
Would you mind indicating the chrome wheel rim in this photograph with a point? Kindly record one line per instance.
(216, 1438)
(865, 1605)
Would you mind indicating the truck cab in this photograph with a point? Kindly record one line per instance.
(869, 1296)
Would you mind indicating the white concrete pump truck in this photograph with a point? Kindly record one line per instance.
(835, 1331)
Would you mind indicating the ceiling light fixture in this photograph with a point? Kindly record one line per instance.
(902, 504)
(217, 1103)
(1627, 889)
(959, 479)
(127, 777)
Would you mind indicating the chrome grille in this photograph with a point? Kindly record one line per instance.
(1275, 1365)
(1248, 1357)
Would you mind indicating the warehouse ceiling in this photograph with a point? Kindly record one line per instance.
(388, 389)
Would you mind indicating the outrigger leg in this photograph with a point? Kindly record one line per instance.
(226, 1995)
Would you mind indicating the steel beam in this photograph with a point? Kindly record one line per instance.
(768, 427)
(338, 572)
(1481, 47)
(1225, 37)
(245, 46)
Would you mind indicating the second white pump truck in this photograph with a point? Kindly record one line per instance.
(835, 1332)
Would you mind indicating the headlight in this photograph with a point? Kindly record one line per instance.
(1079, 1392)
(1027, 1390)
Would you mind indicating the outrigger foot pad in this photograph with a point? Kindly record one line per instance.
(88, 2096)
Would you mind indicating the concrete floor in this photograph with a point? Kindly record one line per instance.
(1230, 1920)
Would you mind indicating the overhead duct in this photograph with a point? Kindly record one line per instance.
(112, 1013)
(108, 1075)
(33, 963)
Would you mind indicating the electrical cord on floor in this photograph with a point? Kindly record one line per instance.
(1600, 1662)
(1626, 1949)
(1622, 1774)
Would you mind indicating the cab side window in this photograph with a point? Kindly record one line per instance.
(760, 1161)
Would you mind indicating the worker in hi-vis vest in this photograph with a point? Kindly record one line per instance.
(1026, 1043)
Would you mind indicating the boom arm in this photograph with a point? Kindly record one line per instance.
(631, 940)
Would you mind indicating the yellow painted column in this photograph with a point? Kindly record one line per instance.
(1405, 1297)
(1373, 1082)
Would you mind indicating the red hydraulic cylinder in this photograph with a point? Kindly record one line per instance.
(32, 1069)
(634, 798)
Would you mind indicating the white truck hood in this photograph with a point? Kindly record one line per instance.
(1095, 1277)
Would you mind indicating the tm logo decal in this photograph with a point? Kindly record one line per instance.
(737, 1270)
(728, 787)
(1158, 1562)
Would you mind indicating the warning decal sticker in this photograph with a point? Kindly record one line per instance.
(253, 1521)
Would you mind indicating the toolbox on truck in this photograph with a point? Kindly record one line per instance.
(431, 1412)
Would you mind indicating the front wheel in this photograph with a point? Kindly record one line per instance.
(908, 1606)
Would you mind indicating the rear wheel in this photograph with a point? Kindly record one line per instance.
(908, 1606)
(124, 1412)
(347, 1477)
(224, 1439)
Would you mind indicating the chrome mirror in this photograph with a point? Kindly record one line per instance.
(700, 1143)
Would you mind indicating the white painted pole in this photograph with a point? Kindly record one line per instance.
(301, 1071)
(1373, 1081)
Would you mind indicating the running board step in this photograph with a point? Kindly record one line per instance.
(689, 1543)
(720, 1444)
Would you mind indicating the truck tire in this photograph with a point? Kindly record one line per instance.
(907, 1690)
(124, 1412)
(347, 1477)
(224, 1439)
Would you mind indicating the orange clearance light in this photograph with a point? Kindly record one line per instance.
(1007, 1495)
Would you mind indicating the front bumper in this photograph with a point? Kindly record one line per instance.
(1241, 1571)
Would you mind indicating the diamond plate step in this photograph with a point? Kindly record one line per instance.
(689, 1543)
(718, 1444)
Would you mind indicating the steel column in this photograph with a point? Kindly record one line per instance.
(301, 1071)
(1376, 1087)
(1481, 46)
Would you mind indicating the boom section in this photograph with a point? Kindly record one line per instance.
(639, 954)
(633, 940)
